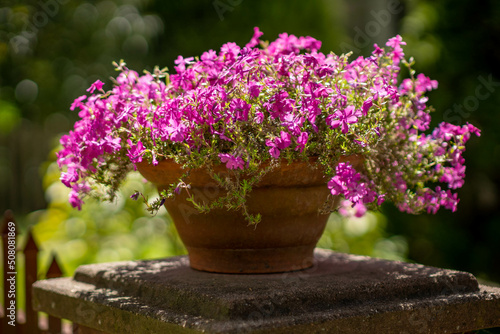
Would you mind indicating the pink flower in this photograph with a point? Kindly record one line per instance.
(397, 52)
(254, 90)
(77, 103)
(255, 38)
(302, 141)
(273, 151)
(343, 118)
(230, 52)
(209, 56)
(135, 151)
(175, 130)
(472, 129)
(239, 110)
(181, 63)
(424, 84)
(453, 176)
(75, 200)
(69, 177)
(259, 117)
(280, 105)
(367, 105)
(231, 161)
(377, 50)
(283, 141)
(360, 209)
(355, 188)
(280, 143)
(96, 85)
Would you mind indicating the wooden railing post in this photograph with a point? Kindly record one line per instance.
(54, 271)
(9, 323)
(31, 266)
(9, 234)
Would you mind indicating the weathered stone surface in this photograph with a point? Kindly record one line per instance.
(341, 293)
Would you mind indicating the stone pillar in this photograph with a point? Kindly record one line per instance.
(341, 293)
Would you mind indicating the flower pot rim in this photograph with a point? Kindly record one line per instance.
(168, 169)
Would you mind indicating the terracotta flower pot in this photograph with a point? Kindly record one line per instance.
(221, 241)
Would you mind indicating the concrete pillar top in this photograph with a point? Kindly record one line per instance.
(341, 293)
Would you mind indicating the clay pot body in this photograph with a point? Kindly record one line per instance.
(221, 241)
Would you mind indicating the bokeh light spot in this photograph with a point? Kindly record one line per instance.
(26, 91)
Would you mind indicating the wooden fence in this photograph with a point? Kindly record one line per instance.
(14, 320)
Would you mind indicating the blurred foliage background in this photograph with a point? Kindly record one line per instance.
(52, 50)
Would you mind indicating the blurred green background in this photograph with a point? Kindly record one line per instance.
(52, 50)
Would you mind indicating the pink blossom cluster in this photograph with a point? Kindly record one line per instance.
(356, 189)
(242, 106)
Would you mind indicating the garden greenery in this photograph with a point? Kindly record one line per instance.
(268, 104)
